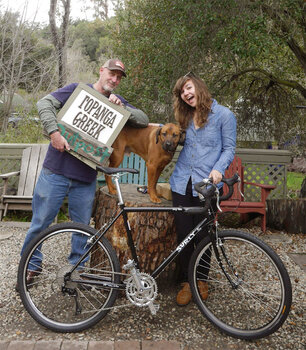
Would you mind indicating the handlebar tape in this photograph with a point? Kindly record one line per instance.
(230, 184)
(208, 191)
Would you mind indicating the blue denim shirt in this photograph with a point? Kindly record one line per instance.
(207, 148)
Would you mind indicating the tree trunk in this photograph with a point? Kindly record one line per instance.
(153, 233)
(101, 8)
(59, 38)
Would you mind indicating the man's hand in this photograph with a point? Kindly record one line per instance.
(116, 100)
(216, 176)
(59, 142)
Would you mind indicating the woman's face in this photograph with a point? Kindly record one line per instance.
(188, 94)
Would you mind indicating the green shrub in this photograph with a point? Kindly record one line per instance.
(26, 216)
(294, 184)
(27, 130)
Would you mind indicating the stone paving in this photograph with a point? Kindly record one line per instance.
(84, 345)
(290, 336)
(91, 345)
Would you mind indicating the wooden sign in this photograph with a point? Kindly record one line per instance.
(90, 123)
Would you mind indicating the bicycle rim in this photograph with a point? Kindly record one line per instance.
(79, 306)
(260, 300)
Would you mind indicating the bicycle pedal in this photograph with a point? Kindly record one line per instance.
(153, 308)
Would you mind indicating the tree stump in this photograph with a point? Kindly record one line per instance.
(287, 214)
(153, 232)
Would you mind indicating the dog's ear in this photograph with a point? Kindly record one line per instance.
(182, 137)
(158, 134)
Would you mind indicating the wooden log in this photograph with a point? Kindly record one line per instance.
(153, 232)
(287, 214)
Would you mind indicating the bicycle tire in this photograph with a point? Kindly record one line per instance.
(45, 300)
(259, 303)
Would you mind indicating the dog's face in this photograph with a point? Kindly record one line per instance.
(169, 135)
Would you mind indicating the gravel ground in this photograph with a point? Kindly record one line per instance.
(185, 325)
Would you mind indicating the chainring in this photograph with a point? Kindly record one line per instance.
(143, 296)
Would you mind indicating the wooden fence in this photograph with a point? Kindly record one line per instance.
(260, 166)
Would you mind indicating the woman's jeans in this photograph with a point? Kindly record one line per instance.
(49, 194)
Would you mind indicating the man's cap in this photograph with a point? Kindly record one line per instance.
(113, 64)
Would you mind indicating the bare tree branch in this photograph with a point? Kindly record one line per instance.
(289, 83)
(279, 23)
(101, 8)
(23, 62)
(59, 38)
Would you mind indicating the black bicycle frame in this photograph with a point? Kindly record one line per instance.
(124, 210)
(177, 250)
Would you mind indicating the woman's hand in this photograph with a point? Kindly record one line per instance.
(216, 176)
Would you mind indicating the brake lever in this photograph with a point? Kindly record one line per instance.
(218, 201)
(205, 182)
(201, 197)
(239, 188)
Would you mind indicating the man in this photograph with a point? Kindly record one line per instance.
(63, 174)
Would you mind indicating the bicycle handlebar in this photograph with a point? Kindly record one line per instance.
(230, 182)
(207, 189)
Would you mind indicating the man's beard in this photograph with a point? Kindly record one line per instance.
(108, 88)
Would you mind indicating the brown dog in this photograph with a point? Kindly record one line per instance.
(156, 145)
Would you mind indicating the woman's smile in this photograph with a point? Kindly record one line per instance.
(188, 93)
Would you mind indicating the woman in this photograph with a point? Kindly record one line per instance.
(208, 150)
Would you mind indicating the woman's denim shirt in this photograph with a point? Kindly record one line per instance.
(207, 148)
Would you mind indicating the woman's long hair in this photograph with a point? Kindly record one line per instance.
(183, 113)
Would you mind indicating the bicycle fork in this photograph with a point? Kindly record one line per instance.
(218, 245)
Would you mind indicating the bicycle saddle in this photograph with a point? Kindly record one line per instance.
(110, 171)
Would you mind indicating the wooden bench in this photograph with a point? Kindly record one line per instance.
(238, 204)
(31, 164)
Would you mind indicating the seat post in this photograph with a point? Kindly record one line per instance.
(119, 194)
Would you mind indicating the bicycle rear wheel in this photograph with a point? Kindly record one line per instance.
(259, 300)
(57, 302)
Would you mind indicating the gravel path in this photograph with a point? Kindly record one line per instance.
(184, 325)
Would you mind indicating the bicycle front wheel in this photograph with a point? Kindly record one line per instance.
(54, 298)
(254, 298)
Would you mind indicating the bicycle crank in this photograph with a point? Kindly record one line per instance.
(141, 290)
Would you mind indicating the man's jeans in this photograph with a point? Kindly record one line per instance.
(49, 194)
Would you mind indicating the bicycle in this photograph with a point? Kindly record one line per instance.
(249, 287)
